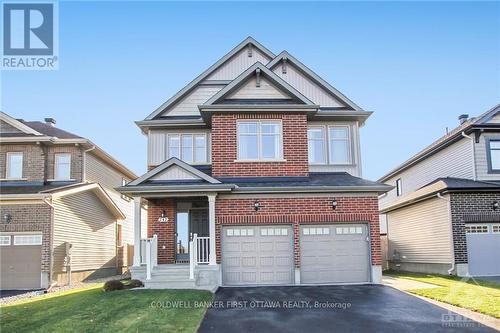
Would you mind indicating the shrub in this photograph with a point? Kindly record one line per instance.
(135, 284)
(113, 285)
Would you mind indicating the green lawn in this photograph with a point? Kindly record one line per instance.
(479, 296)
(93, 310)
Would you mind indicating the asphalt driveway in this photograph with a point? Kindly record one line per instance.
(359, 308)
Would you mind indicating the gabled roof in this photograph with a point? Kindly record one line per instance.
(18, 124)
(314, 77)
(173, 161)
(258, 69)
(444, 141)
(174, 99)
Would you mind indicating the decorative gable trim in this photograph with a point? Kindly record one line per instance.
(184, 91)
(488, 115)
(17, 124)
(174, 162)
(258, 70)
(288, 59)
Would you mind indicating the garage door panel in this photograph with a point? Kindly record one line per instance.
(248, 262)
(233, 247)
(483, 248)
(20, 266)
(233, 262)
(271, 257)
(334, 254)
(248, 246)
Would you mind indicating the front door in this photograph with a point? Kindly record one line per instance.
(188, 223)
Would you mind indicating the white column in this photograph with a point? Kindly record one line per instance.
(211, 228)
(137, 231)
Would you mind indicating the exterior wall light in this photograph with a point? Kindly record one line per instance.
(495, 205)
(256, 205)
(334, 203)
(163, 217)
(6, 218)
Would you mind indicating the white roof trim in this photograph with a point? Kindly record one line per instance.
(275, 79)
(97, 190)
(17, 124)
(316, 78)
(168, 163)
(174, 99)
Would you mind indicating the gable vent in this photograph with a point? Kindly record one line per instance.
(250, 50)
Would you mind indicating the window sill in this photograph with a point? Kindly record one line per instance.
(61, 180)
(260, 161)
(334, 164)
(13, 179)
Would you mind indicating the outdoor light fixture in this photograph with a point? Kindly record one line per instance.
(495, 205)
(256, 205)
(6, 218)
(163, 217)
(334, 203)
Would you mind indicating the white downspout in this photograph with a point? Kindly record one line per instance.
(474, 171)
(84, 163)
(452, 247)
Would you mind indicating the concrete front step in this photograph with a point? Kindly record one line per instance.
(162, 284)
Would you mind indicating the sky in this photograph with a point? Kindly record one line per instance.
(416, 65)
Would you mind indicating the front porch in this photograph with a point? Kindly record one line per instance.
(179, 251)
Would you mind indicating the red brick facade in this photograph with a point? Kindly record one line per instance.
(290, 211)
(224, 147)
(164, 230)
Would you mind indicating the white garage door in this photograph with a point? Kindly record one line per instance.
(257, 255)
(21, 259)
(334, 253)
(483, 247)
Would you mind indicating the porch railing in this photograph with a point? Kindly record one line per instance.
(149, 254)
(198, 252)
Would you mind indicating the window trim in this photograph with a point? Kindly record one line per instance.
(349, 145)
(6, 237)
(40, 237)
(7, 164)
(488, 155)
(193, 147)
(399, 187)
(325, 145)
(259, 141)
(328, 157)
(56, 176)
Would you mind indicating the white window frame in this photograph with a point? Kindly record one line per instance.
(5, 237)
(193, 147)
(475, 227)
(349, 144)
(259, 158)
(497, 226)
(325, 144)
(37, 241)
(399, 187)
(56, 176)
(8, 166)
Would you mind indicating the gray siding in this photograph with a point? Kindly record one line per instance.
(238, 64)
(266, 90)
(188, 106)
(482, 153)
(421, 232)
(82, 220)
(453, 161)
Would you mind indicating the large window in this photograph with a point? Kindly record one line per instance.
(191, 148)
(316, 145)
(62, 166)
(260, 140)
(329, 144)
(494, 155)
(14, 166)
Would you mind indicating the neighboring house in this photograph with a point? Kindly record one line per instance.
(254, 179)
(443, 214)
(59, 210)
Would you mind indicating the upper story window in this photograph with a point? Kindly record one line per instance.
(399, 188)
(494, 155)
(14, 166)
(191, 148)
(62, 166)
(329, 144)
(260, 140)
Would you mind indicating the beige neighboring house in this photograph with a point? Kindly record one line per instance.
(443, 215)
(60, 218)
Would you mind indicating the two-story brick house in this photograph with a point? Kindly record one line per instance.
(254, 179)
(59, 210)
(443, 214)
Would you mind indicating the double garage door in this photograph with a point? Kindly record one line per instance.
(20, 259)
(483, 246)
(264, 255)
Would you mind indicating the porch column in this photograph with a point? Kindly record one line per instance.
(137, 231)
(211, 226)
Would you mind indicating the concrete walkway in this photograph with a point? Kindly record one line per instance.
(404, 285)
